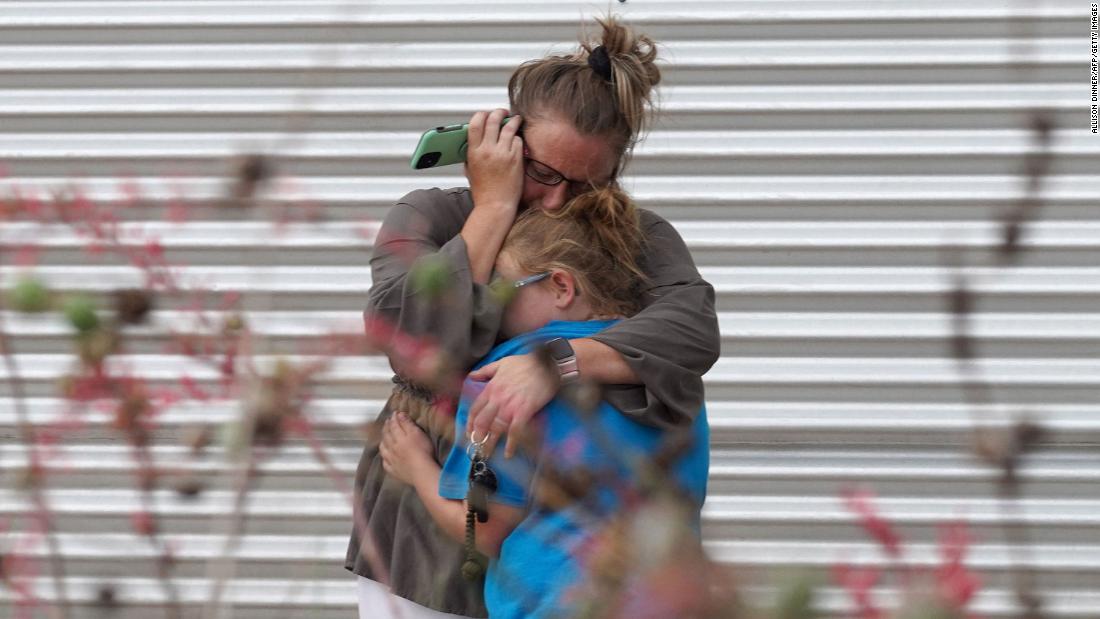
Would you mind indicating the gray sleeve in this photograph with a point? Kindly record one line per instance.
(420, 234)
(670, 343)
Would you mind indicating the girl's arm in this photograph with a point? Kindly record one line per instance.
(406, 455)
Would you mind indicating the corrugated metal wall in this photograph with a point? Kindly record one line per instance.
(817, 156)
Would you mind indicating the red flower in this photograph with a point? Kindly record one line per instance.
(143, 522)
(192, 389)
(859, 501)
(957, 584)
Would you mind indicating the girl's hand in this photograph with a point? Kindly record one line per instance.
(406, 450)
(494, 161)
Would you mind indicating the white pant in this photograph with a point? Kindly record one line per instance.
(376, 602)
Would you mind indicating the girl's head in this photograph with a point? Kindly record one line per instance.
(583, 112)
(589, 249)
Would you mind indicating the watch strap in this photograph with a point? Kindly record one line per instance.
(564, 357)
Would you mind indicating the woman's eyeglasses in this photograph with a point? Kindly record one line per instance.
(544, 174)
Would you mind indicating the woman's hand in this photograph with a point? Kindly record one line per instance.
(494, 161)
(519, 387)
(406, 450)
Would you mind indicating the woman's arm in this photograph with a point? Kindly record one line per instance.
(651, 364)
(602, 363)
(434, 253)
(494, 165)
(673, 340)
(422, 284)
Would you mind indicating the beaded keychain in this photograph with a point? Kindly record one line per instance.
(483, 482)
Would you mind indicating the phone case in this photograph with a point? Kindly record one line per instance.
(442, 146)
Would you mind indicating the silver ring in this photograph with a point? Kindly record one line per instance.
(478, 443)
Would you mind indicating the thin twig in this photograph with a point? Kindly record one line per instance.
(38, 498)
(222, 568)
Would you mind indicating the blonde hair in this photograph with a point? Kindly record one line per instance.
(566, 86)
(596, 237)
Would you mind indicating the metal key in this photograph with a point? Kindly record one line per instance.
(483, 482)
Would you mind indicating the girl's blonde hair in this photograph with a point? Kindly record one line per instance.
(566, 86)
(596, 237)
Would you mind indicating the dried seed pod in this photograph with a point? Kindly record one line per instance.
(1028, 434)
(189, 486)
(267, 429)
(249, 171)
(106, 597)
(132, 306)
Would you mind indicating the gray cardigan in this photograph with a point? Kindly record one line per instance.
(669, 344)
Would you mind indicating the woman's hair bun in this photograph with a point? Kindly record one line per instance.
(610, 94)
(634, 71)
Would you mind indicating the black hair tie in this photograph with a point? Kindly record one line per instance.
(600, 62)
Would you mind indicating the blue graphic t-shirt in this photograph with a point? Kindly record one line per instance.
(539, 561)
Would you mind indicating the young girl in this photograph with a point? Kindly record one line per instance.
(575, 274)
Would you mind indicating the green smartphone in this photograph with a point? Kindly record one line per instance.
(442, 146)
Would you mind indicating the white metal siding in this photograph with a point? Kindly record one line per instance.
(816, 155)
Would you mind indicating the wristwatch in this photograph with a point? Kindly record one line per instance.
(562, 354)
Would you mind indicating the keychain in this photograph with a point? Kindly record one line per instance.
(483, 482)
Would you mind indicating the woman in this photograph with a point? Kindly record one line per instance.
(577, 267)
(581, 115)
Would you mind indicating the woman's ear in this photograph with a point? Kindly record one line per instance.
(564, 287)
